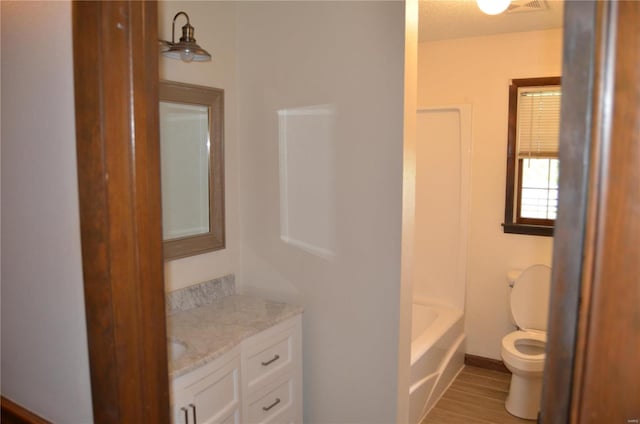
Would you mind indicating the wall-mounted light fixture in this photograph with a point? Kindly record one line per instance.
(493, 7)
(186, 49)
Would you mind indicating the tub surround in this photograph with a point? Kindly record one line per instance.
(209, 331)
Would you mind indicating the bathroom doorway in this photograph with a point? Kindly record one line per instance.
(601, 37)
(145, 391)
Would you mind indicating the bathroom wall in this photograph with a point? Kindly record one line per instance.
(335, 71)
(477, 71)
(215, 31)
(45, 365)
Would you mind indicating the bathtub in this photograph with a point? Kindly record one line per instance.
(437, 355)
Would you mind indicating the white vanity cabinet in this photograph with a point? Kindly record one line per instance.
(258, 381)
(209, 394)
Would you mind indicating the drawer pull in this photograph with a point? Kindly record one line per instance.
(270, 361)
(275, 402)
(186, 415)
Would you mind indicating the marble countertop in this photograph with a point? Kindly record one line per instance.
(209, 331)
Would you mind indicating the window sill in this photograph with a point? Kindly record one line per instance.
(532, 230)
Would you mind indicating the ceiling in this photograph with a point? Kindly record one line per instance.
(445, 19)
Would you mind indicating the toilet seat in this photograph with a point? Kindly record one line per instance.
(529, 298)
(518, 359)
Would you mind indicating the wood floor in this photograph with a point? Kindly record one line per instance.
(475, 397)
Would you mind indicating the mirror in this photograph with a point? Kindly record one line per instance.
(192, 168)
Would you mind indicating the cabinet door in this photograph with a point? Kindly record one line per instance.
(216, 397)
(180, 401)
(209, 394)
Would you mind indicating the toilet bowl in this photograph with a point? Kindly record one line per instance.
(523, 351)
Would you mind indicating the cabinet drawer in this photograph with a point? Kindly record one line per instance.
(267, 359)
(274, 404)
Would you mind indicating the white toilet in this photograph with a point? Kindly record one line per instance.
(523, 351)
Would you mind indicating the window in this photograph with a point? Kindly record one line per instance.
(532, 156)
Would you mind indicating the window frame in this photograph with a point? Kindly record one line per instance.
(512, 224)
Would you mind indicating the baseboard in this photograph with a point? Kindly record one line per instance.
(487, 363)
(12, 413)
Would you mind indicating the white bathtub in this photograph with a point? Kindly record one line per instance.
(437, 355)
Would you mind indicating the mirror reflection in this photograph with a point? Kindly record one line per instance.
(184, 144)
(191, 149)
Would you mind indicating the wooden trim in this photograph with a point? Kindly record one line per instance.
(518, 192)
(512, 224)
(607, 370)
(575, 132)
(591, 208)
(12, 413)
(511, 156)
(592, 374)
(526, 229)
(116, 102)
(486, 363)
(539, 222)
(536, 82)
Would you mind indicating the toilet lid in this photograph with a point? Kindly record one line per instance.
(530, 298)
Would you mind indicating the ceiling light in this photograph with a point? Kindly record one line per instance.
(493, 7)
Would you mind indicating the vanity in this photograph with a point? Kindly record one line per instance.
(232, 358)
(235, 359)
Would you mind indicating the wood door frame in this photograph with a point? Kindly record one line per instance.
(116, 100)
(116, 93)
(575, 132)
(593, 322)
(606, 367)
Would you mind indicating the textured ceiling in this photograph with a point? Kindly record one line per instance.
(444, 19)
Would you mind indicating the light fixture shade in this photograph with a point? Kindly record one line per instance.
(493, 7)
(187, 52)
(186, 49)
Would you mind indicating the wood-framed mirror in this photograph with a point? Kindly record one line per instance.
(192, 168)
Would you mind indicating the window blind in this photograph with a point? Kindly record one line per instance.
(538, 121)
